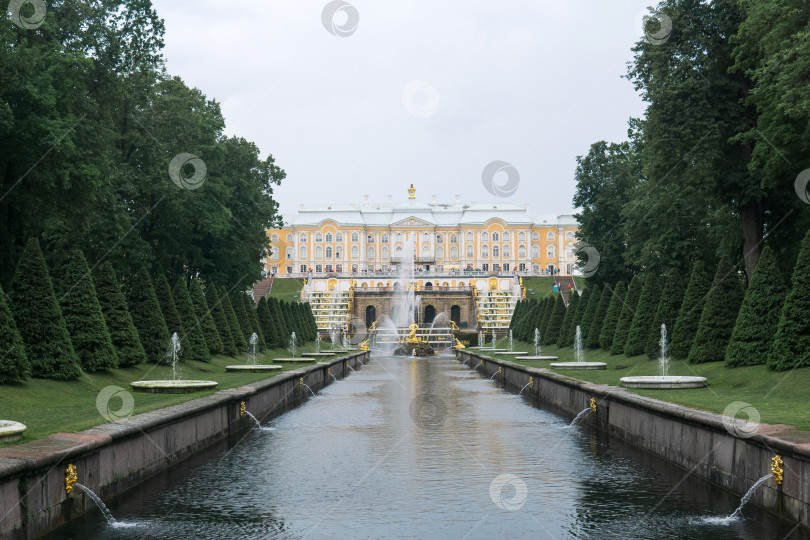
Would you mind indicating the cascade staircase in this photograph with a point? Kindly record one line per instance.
(262, 288)
(564, 282)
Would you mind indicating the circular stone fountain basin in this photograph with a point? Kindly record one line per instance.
(295, 360)
(317, 354)
(540, 358)
(664, 382)
(11, 431)
(578, 365)
(172, 387)
(250, 368)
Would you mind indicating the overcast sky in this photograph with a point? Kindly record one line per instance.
(420, 92)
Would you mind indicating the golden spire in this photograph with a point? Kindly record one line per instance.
(411, 192)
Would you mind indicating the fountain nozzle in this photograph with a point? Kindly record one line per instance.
(242, 408)
(776, 469)
(70, 478)
(531, 382)
(593, 405)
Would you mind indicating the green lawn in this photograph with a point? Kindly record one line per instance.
(48, 406)
(540, 287)
(780, 397)
(286, 289)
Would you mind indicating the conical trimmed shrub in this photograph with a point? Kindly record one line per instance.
(39, 319)
(718, 317)
(544, 315)
(527, 317)
(148, 317)
(595, 329)
(566, 339)
(555, 321)
(193, 341)
(310, 318)
(576, 317)
(644, 317)
(14, 364)
(683, 335)
(254, 321)
(791, 345)
(241, 315)
(266, 322)
(628, 312)
(668, 307)
(239, 340)
(283, 331)
(612, 316)
(122, 330)
(84, 319)
(220, 320)
(170, 314)
(758, 319)
(589, 313)
(206, 318)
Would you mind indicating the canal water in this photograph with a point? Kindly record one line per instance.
(426, 448)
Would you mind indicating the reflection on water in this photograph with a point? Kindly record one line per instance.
(424, 449)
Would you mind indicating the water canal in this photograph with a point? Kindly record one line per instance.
(421, 448)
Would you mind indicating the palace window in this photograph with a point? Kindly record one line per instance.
(273, 253)
(506, 252)
(535, 236)
(453, 252)
(290, 239)
(339, 237)
(440, 252)
(425, 237)
(496, 252)
(453, 239)
(384, 252)
(569, 235)
(425, 251)
(370, 253)
(318, 252)
(470, 251)
(535, 251)
(319, 268)
(505, 235)
(384, 239)
(370, 239)
(496, 237)
(328, 237)
(289, 253)
(399, 251)
(485, 267)
(521, 236)
(550, 236)
(274, 237)
(302, 237)
(485, 236)
(328, 252)
(399, 237)
(318, 237)
(302, 268)
(521, 251)
(485, 252)
(355, 237)
(302, 253)
(569, 251)
(505, 267)
(355, 253)
(550, 251)
(439, 238)
(469, 237)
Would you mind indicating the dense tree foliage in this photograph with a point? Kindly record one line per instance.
(686, 325)
(14, 364)
(791, 345)
(566, 338)
(148, 317)
(192, 338)
(626, 317)
(718, 317)
(555, 320)
(667, 313)
(122, 330)
(591, 339)
(212, 298)
(612, 316)
(205, 318)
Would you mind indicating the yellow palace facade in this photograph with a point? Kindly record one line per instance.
(372, 238)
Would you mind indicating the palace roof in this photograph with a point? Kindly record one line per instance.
(392, 214)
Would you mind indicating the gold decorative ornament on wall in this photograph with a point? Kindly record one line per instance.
(70, 478)
(776, 469)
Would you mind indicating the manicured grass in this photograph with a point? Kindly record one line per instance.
(48, 406)
(288, 289)
(538, 287)
(780, 397)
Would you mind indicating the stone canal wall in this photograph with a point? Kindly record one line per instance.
(112, 458)
(696, 440)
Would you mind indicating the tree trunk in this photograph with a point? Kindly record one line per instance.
(752, 229)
